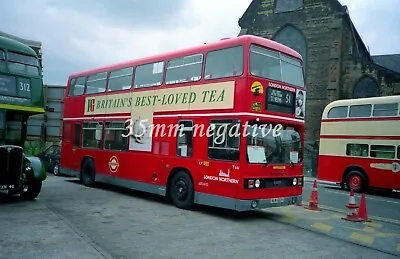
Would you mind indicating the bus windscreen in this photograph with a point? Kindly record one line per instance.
(275, 66)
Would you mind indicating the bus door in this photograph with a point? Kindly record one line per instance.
(73, 157)
(223, 154)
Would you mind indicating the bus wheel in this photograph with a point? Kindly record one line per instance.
(88, 173)
(181, 190)
(355, 180)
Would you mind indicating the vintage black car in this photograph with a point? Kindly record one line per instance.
(51, 159)
(20, 173)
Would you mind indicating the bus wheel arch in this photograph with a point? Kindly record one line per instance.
(180, 188)
(355, 178)
(88, 171)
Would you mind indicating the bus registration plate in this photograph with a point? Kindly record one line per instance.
(277, 200)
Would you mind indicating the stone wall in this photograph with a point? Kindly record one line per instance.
(336, 57)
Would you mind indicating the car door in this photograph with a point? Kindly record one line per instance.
(47, 156)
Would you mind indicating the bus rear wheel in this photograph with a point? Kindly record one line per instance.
(88, 173)
(181, 190)
(356, 180)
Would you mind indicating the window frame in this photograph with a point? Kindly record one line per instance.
(72, 85)
(205, 60)
(227, 121)
(109, 78)
(337, 107)
(137, 68)
(279, 56)
(100, 141)
(167, 68)
(96, 80)
(77, 135)
(349, 145)
(371, 149)
(360, 105)
(190, 148)
(105, 128)
(382, 104)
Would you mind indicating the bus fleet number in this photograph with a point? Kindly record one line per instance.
(26, 87)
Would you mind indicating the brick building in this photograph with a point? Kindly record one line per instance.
(337, 63)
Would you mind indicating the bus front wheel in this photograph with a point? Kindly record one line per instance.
(181, 190)
(356, 180)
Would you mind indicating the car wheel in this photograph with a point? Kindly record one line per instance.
(33, 189)
(56, 169)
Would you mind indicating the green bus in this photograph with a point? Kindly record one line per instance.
(21, 96)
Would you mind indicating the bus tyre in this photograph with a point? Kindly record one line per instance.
(33, 189)
(88, 173)
(356, 180)
(181, 190)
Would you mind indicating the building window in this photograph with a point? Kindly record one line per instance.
(224, 63)
(120, 79)
(366, 87)
(184, 139)
(338, 112)
(382, 151)
(113, 139)
(360, 111)
(224, 140)
(96, 83)
(92, 134)
(360, 150)
(149, 75)
(291, 37)
(288, 5)
(385, 109)
(184, 69)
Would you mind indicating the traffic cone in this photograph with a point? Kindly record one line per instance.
(362, 211)
(352, 215)
(313, 202)
(352, 202)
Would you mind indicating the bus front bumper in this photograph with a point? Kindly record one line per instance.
(257, 204)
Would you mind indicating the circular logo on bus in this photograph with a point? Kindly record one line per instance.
(396, 167)
(256, 88)
(113, 164)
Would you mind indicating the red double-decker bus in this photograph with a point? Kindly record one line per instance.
(220, 124)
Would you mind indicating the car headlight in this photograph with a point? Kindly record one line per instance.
(257, 183)
(294, 181)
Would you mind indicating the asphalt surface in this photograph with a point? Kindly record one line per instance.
(380, 205)
(72, 221)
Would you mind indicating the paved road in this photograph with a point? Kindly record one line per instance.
(381, 205)
(72, 221)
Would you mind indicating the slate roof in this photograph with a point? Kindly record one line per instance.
(391, 62)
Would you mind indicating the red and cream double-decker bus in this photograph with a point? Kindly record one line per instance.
(360, 144)
(220, 124)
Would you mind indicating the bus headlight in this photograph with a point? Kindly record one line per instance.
(257, 183)
(294, 181)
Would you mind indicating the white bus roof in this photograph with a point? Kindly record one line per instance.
(360, 101)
